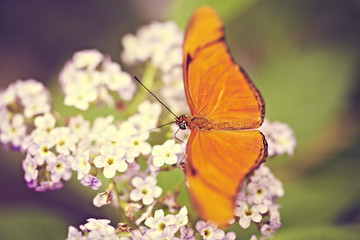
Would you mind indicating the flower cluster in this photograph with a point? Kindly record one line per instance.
(158, 227)
(161, 45)
(89, 76)
(19, 103)
(94, 229)
(121, 151)
(257, 201)
(280, 138)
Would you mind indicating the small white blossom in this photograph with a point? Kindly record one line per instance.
(65, 141)
(40, 148)
(80, 96)
(209, 231)
(161, 43)
(112, 160)
(89, 76)
(45, 122)
(103, 198)
(145, 189)
(280, 138)
(159, 222)
(166, 153)
(30, 168)
(79, 126)
(181, 217)
(81, 164)
(59, 169)
(74, 234)
(149, 113)
(13, 131)
(247, 215)
(99, 229)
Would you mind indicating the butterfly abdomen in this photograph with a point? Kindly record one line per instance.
(203, 123)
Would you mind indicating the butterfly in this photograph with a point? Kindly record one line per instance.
(224, 145)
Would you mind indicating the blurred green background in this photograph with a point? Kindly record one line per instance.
(303, 55)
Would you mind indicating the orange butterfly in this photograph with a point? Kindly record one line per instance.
(221, 98)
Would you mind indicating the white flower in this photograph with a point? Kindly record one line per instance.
(7, 95)
(230, 236)
(247, 215)
(74, 234)
(79, 126)
(80, 163)
(166, 153)
(14, 131)
(89, 76)
(59, 169)
(33, 96)
(264, 187)
(80, 96)
(145, 214)
(161, 43)
(28, 89)
(30, 168)
(40, 148)
(149, 114)
(103, 198)
(100, 124)
(65, 141)
(209, 231)
(89, 59)
(159, 222)
(99, 228)
(112, 160)
(145, 189)
(45, 122)
(119, 81)
(181, 217)
(139, 145)
(280, 138)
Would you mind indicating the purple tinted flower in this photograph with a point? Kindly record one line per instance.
(187, 233)
(47, 185)
(230, 236)
(93, 182)
(209, 231)
(30, 169)
(280, 138)
(270, 229)
(60, 169)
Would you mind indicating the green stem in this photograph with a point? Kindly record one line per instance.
(122, 205)
(141, 94)
(179, 185)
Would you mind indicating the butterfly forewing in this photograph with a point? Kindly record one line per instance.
(215, 86)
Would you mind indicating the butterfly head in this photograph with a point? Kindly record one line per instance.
(181, 122)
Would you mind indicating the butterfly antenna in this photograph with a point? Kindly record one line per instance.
(155, 96)
(152, 129)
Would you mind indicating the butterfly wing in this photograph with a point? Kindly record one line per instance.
(217, 163)
(215, 86)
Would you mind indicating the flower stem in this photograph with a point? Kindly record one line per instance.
(141, 95)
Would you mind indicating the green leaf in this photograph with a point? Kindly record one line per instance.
(317, 233)
(306, 88)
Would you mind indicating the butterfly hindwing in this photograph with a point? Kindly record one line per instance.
(217, 163)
